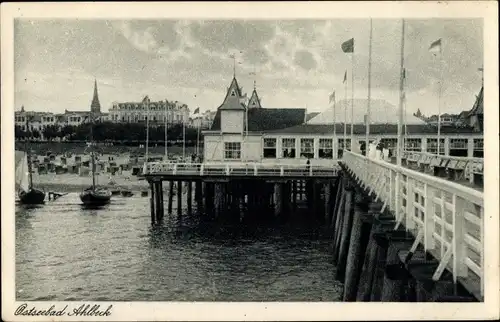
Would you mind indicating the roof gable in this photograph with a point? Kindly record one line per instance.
(254, 101)
(477, 108)
(232, 101)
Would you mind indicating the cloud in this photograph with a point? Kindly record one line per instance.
(143, 40)
(305, 59)
(297, 62)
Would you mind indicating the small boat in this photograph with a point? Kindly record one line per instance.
(115, 192)
(28, 195)
(94, 195)
(127, 193)
(32, 197)
(144, 193)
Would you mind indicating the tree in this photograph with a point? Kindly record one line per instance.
(19, 132)
(51, 132)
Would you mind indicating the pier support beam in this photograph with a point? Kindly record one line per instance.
(170, 195)
(278, 198)
(218, 198)
(345, 234)
(179, 197)
(360, 233)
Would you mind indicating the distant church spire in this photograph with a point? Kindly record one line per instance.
(95, 106)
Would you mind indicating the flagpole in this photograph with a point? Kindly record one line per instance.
(166, 130)
(147, 134)
(352, 99)
(183, 139)
(345, 112)
(400, 120)
(334, 147)
(440, 90)
(368, 107)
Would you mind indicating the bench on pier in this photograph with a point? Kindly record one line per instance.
(456, 169)
(425, 162)
(439, 167)
(412, 160)
(477, 174)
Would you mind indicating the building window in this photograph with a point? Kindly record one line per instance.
(270, 148)
(288, 148)
(459, 147)
(413, 145)
(307, 148)
(432, 146)
(232, 150)
(347, 144)
(478, 148)
(325, 149)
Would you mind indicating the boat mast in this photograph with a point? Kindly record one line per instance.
(92, 148)
(28, 157)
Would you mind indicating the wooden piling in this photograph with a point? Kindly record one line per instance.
(278, 196)
(345, 235)
(179, 197)
(360, 234)
(170, 195)
(162, 205)
(152, 202)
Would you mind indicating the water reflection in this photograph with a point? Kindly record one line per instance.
(114, 253)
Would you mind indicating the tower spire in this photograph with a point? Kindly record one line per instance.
(95, 106)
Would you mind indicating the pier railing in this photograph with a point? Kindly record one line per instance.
(443, 216)
(456, 167)
(240, 169)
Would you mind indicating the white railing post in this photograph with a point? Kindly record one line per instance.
(282, 171)
(471, 172)
(255, 169)
(459, 252)
(428, 218)
(175, 169)
(227, 169)
(410, 207)
(202, 169)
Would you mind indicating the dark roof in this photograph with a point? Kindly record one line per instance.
(311, 115)
(374, 129)
(477, 108)
(266, 119)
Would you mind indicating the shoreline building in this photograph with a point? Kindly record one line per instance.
(136, 112)
(250, 133)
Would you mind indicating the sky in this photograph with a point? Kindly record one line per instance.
(295, 63)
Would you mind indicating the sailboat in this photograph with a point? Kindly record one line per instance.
(94, 195)
(27, 194)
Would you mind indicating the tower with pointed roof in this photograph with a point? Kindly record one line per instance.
(95, 106)
(232, 110)
(254, 101)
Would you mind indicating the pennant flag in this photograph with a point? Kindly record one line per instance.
(332, 97)
(480, 69)
(435, 46)
(348, 46)
(196, 111)
(345, 77)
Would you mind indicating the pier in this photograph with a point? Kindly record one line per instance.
(398, 234)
